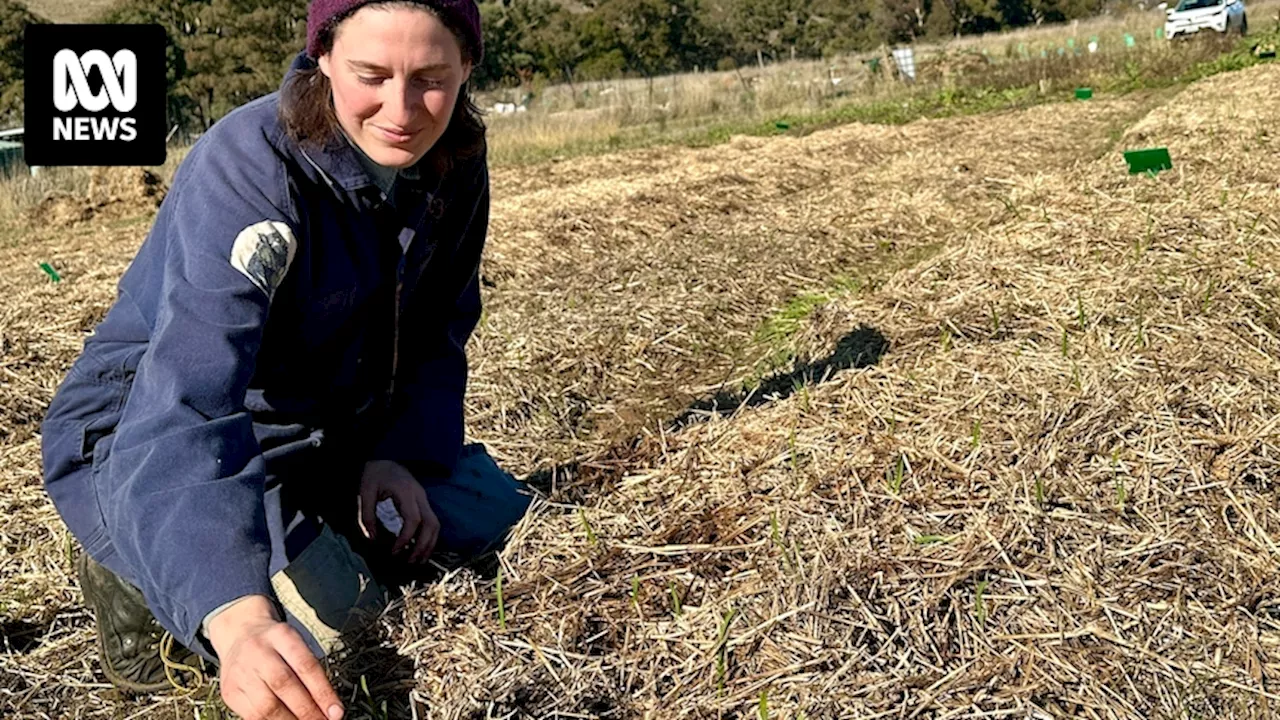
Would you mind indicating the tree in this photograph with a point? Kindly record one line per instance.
(14, 18)
(222, 53)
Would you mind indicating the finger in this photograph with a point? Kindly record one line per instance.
(256, 701)
(308, 669)
(291, 694)
(412, 517)
(368, 509)
(428, 534)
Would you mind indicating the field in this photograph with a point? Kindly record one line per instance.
(956, 76)
(949, 419)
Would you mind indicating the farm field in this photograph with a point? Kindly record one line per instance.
(952, 419)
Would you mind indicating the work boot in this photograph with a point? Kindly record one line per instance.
(132, 646)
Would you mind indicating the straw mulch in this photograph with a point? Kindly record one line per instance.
(113, 193)
(1021, 465)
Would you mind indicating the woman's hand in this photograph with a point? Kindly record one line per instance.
(383, 479)
(267, 671)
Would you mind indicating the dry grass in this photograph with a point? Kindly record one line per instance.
(1022, 464)
(68, 11)
(613, 114)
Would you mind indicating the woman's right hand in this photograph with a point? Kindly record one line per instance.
(267, 670)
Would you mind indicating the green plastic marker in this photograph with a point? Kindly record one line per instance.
(1159, 33)
(782, 125)
(1150, 160)
(1084, 93)
(1044, 53)
(1071, 43)
(53, 274)
(1129, 41)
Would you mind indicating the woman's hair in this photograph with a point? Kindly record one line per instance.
(306, 102)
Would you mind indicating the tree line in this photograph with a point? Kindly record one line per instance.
(223, 53)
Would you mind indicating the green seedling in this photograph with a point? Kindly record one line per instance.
(763, 708)
(1208, 296)
(775, 532)
(586, 525)
(379, 712)
(975, 434)
(995, 319)
(946, 339)
(1080, 316)
(676, 608)
(53, 274)
(894, 474)
(1039, 491)
(722, 651)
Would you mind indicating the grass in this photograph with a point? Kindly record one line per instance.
(972, 76)
(1114, 512)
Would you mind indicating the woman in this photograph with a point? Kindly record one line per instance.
(285, 354)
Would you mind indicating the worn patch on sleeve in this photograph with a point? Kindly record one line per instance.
(263, 252)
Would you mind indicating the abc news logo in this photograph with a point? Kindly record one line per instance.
(94, 95)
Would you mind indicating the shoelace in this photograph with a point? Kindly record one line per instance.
(171, 666)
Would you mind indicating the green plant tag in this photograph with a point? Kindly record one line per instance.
(1129, 41)
(782, 125)
(1071, 43)
(53, 274)
(1084, 93)
(1150, 160)
(1159, 33)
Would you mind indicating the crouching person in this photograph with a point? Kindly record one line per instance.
(264, 434)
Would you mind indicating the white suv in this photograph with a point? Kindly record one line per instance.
(1191, 16)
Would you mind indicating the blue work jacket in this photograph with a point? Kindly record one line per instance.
(277, 285)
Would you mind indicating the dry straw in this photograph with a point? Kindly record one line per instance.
(1021, 464)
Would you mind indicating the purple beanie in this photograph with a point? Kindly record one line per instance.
(461, 15)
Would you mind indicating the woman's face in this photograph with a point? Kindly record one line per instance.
(396, 73)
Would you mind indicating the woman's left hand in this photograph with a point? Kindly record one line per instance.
(383, 479)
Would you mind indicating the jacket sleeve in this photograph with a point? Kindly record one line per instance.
(184, 479)
(425, 429)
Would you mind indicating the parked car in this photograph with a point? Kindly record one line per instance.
(1192, 16)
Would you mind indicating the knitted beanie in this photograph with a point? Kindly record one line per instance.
(460, 15)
